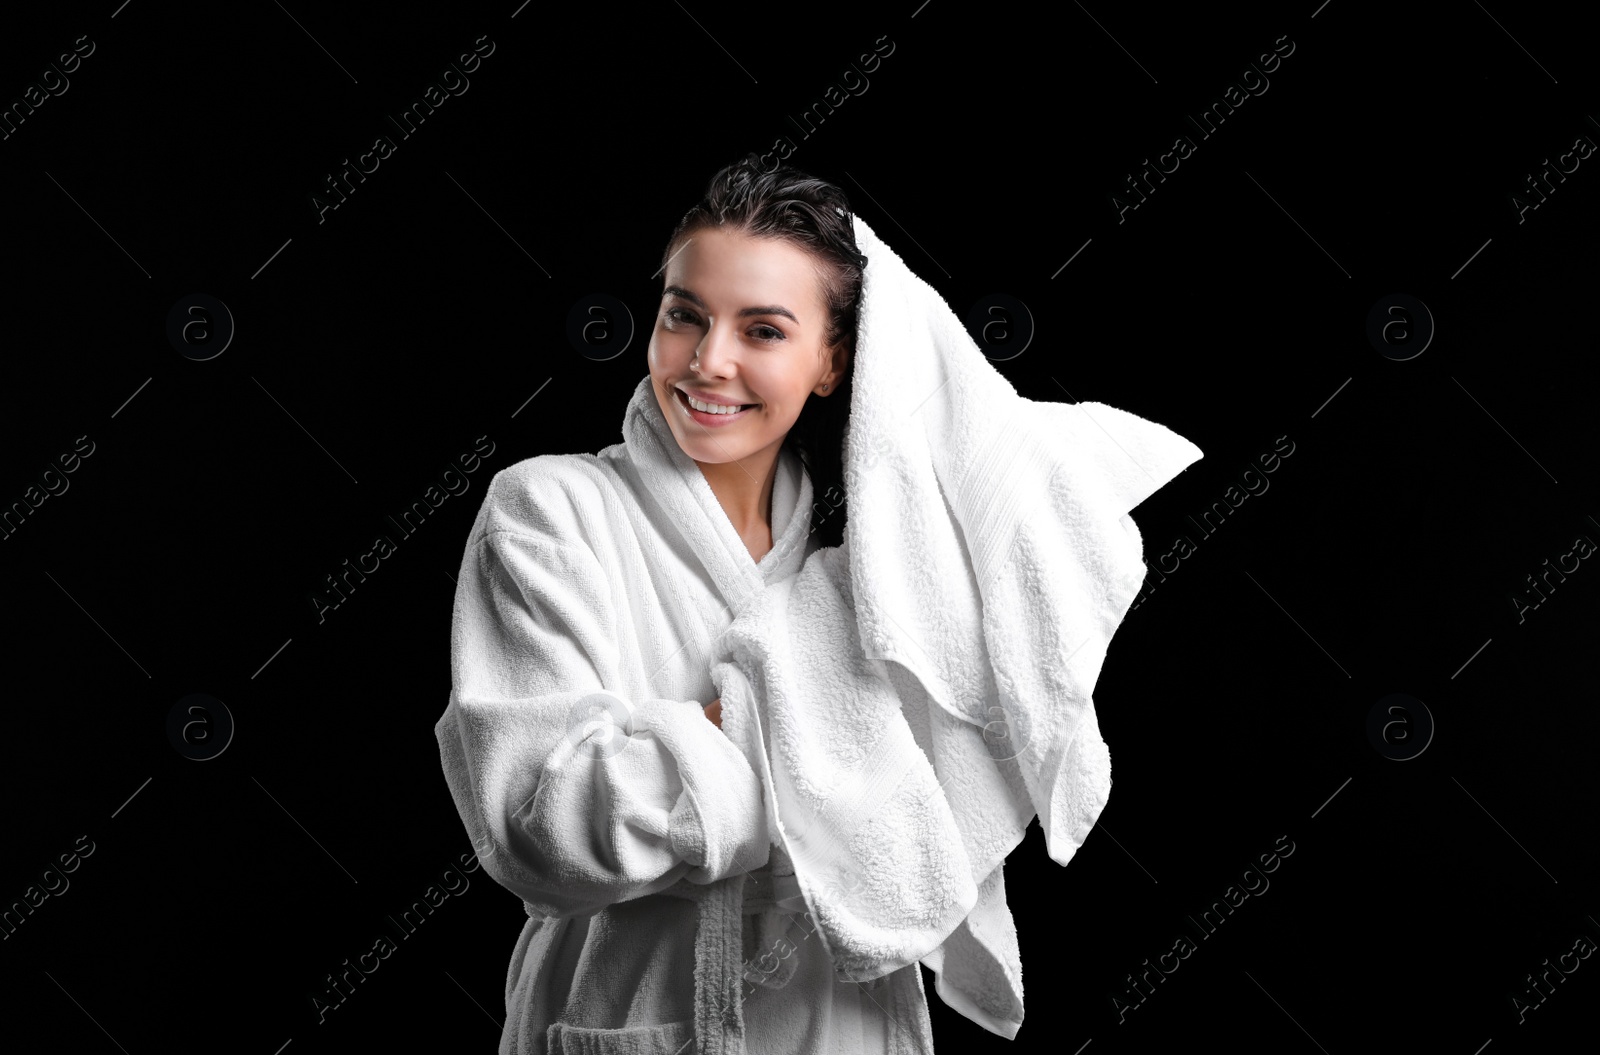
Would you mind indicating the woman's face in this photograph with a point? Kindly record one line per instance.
(741, 322)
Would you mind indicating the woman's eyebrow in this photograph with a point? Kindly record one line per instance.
(770, 309)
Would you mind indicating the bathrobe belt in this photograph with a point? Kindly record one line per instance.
(718, 964)
(719, 949)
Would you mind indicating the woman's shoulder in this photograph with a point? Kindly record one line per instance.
(554, 497)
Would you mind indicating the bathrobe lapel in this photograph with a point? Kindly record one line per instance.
(676, 483)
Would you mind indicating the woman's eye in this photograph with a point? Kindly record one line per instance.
(680, 316)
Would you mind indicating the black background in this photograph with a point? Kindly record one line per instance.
(424, 312)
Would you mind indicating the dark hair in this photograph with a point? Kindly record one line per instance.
(813, 214)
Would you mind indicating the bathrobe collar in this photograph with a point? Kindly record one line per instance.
(676, 482)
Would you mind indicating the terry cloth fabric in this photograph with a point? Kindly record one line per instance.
(889, 1017)
(924, 690)
(591, 590)
(575, 744)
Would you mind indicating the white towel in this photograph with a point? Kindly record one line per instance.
(924, 690)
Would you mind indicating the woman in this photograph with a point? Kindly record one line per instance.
(582, 742)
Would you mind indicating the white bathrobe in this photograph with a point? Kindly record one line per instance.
(576, 748)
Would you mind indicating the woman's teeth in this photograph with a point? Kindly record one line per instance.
(713, 408)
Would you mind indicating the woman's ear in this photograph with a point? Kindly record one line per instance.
(839, 365)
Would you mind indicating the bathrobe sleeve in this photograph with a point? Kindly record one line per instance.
(575, 795)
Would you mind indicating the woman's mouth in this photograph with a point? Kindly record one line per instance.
(711, 419)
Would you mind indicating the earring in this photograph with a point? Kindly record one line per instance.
(824, 387)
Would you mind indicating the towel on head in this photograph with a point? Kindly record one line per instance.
(924, 690)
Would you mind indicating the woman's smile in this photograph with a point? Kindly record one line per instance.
(707, 418)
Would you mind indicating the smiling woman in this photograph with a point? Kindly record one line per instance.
(583, 741)
(771, 872)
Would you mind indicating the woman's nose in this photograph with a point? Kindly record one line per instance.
(717, 349)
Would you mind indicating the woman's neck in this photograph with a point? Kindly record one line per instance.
(744, 489)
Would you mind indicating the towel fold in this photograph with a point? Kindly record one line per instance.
(924, 690)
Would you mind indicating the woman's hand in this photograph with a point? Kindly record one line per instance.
(714, 712)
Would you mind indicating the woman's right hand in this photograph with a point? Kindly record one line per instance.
(714, 712)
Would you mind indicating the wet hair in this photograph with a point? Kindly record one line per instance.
(812, 214)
